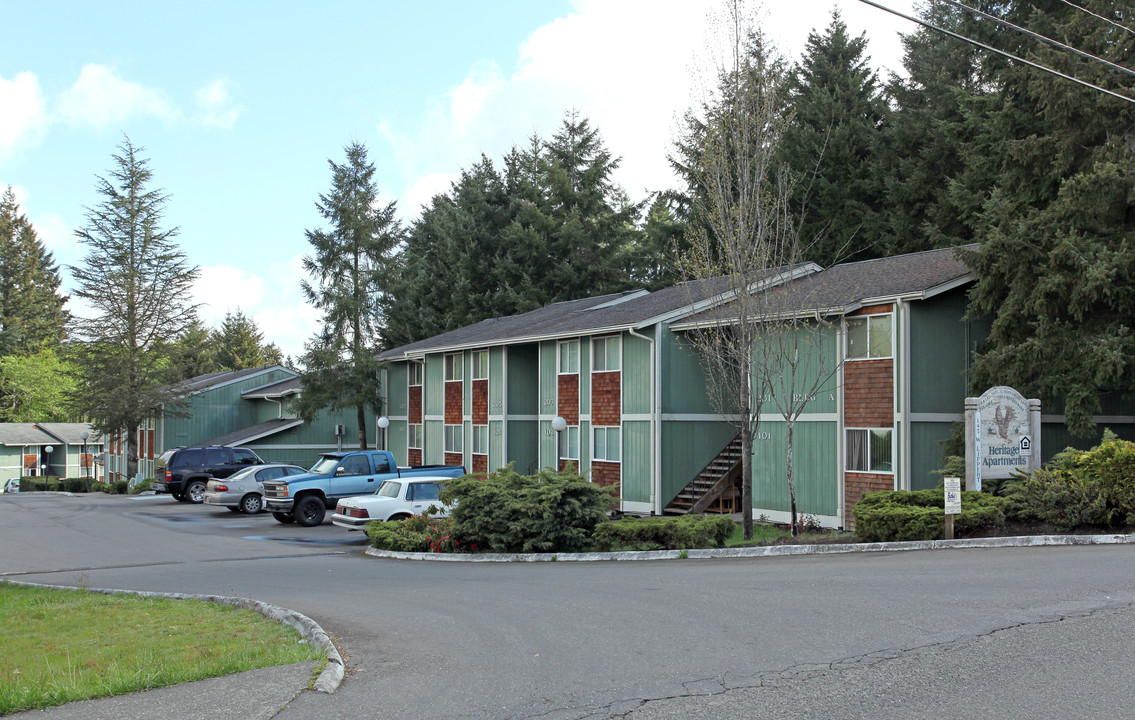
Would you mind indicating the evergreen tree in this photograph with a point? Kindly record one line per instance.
(1056, 268)
(135, 279)
(239, 343)
(348, 268)
(195, 352)
(837, 112)
(35, 388)
(32, 314)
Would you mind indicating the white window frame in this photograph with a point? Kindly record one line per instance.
(413, 433)
(607, 431)
(565, 439)
(480, 364)
(568, 345)
(606, 343)
(480, 439)
(454, 439)
(866, 319)
(414, 374)
(868, 431)
(454, 367)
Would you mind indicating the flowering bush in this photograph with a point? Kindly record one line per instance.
(420, 533)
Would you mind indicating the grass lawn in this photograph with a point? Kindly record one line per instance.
(65, 645)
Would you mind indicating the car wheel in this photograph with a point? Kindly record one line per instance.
(397, 517)
(284, 517)
(179, 497)
(251, 504)
(195, 491)
(309, 511)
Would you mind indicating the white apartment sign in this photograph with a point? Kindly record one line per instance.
(1003, 428)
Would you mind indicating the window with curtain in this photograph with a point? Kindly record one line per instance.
(870, 450)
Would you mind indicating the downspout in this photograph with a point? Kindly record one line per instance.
(655, 414)
(279, 407)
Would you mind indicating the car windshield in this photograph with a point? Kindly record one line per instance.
(324, 465)
(247, 472)
(389, 489)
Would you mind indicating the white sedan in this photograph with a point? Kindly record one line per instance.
(395, 499)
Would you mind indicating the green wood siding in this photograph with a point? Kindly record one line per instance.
(636, 453)
(687, 447)
(817, 349)
(548, 454)
(394, 393)
(433, 385)
(523, 381)
(216, 411)
(396, 441)
(683, 379)
(584, 378)
(814, 465)
(926, 439)
(434, 451)
(637, 360)
(941, 346)
(524, 446)
(548, 386)
(496, 445)
(496, 381)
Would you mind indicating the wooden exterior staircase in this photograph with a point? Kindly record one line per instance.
(716, 488)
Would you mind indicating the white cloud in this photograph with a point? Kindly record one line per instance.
(101, 98)
(423, 191)
(216, 106)
(23, 119)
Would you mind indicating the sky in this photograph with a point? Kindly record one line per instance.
(239, 106)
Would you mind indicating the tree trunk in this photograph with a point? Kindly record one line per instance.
(789, 427)
(131, 453)
(747, 479)
(362, 427)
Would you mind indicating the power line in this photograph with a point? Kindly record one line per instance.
(1038, 36)
(1101, 17)
(1011, 56)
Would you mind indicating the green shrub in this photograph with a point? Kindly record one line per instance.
(420, 533)
(141, 487)
(1066, 500)
(664, 533)
(897, 515)
(546, 512)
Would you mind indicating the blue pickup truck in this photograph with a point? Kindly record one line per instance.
(305, 499)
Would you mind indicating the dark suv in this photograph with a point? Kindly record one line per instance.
(184, 472)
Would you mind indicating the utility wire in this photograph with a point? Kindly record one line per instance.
(1101, 17)
(1042, 38)
(1011, 56)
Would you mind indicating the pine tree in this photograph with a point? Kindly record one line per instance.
(136, 280)
(195, 351)
(348, 269)
(837, 113)
(239, 343)
(1056, 268)
(32, 314)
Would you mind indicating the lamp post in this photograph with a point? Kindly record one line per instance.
(559, 425)
(383, 423)
(47, 465)
(83, 459)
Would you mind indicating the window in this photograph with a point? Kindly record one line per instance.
(869, 451)
(605, 353)
(414, 437)
(453, 437)
(481, 439)
(454, 367)
(423, 491)
(607, 444)
(569, 357)
(869, 337)
(480, 364)
(414, 373)
(569, 443)
(245, 457)
(354, 465)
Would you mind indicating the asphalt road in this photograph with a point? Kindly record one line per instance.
(1016, 632)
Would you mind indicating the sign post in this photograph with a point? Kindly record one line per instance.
(953, 503)
(1002, 435)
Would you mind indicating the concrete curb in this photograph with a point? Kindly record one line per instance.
(766, 550)
(328, 680)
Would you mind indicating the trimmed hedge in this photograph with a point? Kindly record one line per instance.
(71, 485)
(511, 513)
(420, 533)
(664, 533)
(897, 515)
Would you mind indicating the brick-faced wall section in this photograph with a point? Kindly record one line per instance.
(480, 402)
(869, 393)
(454, 459)
(454, 402)
(414, 456)
(605, 473)
(606, 402)
(414, 397)
(872, 310)
(481, 464)
(855, 484)
(567, 398)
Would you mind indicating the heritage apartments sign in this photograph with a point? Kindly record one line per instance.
(1002, 435)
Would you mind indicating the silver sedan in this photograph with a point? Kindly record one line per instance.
(244, 491)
